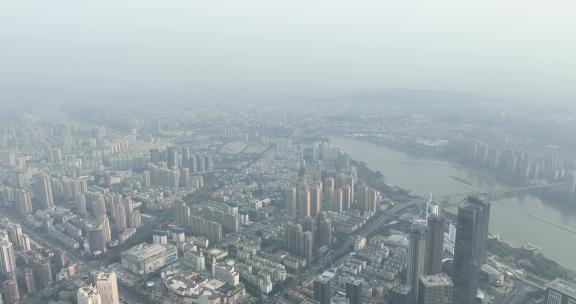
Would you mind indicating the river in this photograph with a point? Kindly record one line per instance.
(517, 220)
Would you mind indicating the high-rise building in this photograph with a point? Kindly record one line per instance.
(7, 258)
(119, 216)
(225, 272)
(354, 290)
(29, 280)
(43, 272)
(107, 229)
(185, 177)
(199, 225)
(178, 235)
(11, 291)
(309, 224)
(81, 205)
(486, 206)
(157, 155)
(316, 199)
(25, 242)
(4, 235)
(560, 292)
(324, 229)
(362, 195)
(88, 295)
(97, 238)
(307, 245)
(146, 179)
(186, 157)
(299, 242)
(328, 198)
(338, 200)
(293, 238)
(163, 176)
(303, 203)
(416, 258)
(469, 249)
(435, 244)
(43, 191)
(23, 202)
(159, 236)
(194, 164)
(200, 164)
(107, 287)
(347, 195)
(329, 182)
(436, 289)
(372, 201)
(132, 215)
(195, 259)
(322, 287)
(15, 235)
(98, 206)
(291, 202)
(172, 158)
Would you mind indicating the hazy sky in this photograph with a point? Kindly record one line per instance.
(520, 49)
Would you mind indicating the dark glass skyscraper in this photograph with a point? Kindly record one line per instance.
(470, 248)
(435, 244)
(416, 258)
(322, 288)
(354, 290)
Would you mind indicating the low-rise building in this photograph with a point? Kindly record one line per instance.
(147, 258)
(226, 272)
(192, 287)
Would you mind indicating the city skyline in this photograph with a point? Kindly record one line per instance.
(287, 152)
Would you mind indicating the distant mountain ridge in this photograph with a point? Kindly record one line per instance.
(411, 97)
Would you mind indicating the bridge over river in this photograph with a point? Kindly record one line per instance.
(499, 195)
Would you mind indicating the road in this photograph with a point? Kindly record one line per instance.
(83, 264)
(519, 296)
(322, 263)
(132, 295)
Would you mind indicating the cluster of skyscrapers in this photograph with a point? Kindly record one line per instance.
(516, 165)
(428, 284)
(425, 276)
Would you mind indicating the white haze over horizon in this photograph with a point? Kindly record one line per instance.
(521, 50)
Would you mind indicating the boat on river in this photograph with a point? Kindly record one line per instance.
(532, 247)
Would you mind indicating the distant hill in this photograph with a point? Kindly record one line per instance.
(409, 97)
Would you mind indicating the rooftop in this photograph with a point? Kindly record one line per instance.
(185, 285)
(565, 287)
(440, 279)
(354, 281)
(325, 277)
(146, 251)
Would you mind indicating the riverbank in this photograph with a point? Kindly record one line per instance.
(532, 261)
(557, 198)
(439, 178)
